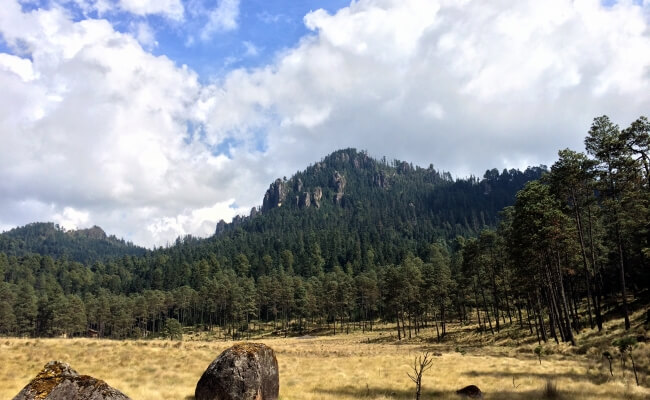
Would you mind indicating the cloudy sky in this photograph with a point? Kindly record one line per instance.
(157, 118)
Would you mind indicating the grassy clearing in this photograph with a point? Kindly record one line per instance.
(355, 366)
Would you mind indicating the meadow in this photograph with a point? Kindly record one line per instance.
(355, 366)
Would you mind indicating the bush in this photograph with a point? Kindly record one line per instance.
(539, 351)
(173, 329)
(551, 391)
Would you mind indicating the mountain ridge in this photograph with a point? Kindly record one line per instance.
(85, 245)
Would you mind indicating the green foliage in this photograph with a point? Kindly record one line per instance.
(402, 244)
(625, 344)
(173, 329)
(7, 316)
(85, 245)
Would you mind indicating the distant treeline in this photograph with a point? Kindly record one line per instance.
(413, 248)
(84, 245)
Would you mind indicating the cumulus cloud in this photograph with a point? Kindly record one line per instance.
(94, 129)
(466, 85)
(71, 218)
(93, 125)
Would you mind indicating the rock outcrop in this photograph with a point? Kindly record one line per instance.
(381, 179)
(298, 185)
(221, 227)
(318, 194)
(470, 392)
(338, 182)
(246, 371)
(305, 200)
(254, 212)
(58, 381)
(275, 195)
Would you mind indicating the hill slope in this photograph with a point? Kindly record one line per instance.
(84, 245)
(352, 209)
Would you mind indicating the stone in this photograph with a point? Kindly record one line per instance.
(339, 183)
(470, 392)
(221, 227)
(275, 195)
(245, 371)
(305, 200)
(318, 194)
(58, 381)
(381, 179)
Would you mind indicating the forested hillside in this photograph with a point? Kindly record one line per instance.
(352, 240)
(83, 245)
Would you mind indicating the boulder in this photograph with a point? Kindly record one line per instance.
(246, 371)
(470, 392)
(58, 381)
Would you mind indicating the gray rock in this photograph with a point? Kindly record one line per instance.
(305, 200)
(275, 195)
(58, 381)
(339, 182)
(246, 371)
(221, 227)
(318, 194)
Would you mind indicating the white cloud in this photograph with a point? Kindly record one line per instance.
(467, 85)
(221, 19)
(172, 9)
(197, 222)
(91, 122)
(71, 218)
(144, 34)
(19, 66)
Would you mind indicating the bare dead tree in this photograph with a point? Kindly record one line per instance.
(421, 364)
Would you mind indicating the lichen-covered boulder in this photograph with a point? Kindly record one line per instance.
(57, 381)
(246, 371)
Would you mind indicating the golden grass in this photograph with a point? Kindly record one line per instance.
(355, 366)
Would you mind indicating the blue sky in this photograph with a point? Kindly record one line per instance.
(158, 118)
(264, 27)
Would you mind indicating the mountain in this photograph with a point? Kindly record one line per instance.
(347, 210)
(83, 245)
(346, 226)
(351, 209)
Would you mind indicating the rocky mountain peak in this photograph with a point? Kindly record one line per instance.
(275, 195)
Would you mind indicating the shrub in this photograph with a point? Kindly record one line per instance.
(173, 329)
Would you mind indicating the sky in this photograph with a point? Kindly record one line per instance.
(157, 118)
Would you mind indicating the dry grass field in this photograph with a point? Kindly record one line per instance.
(355, 366)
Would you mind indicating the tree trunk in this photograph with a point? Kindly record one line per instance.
(622, 276)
